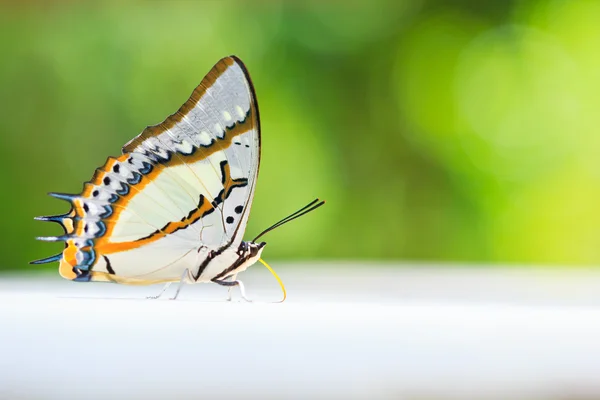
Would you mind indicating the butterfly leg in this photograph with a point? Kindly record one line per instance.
(184, 278)
(231, 278)
(234, 283)
(160, 293)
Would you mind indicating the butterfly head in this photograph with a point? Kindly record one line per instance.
(249, 252)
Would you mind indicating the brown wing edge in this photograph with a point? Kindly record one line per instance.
(253, 105)
(216, 71)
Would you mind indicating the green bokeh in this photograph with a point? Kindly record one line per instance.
(464, 132)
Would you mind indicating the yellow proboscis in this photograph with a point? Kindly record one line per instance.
(276, 277)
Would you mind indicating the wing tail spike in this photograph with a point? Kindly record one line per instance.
(62, 238)
(63, 196)
(52, 218)
(56, 257)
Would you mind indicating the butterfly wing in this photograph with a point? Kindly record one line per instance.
(180, 188)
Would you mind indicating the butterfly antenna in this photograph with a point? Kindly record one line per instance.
(313, 205)
(276, 277)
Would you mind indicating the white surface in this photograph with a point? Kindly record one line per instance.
(414, 333)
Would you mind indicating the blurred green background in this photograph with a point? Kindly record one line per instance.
(462, 131)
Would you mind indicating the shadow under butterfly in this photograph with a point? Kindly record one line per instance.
(174, 206)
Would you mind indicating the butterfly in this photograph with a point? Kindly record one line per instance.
(174, 206)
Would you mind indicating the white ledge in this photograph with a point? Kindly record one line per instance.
(345, 332)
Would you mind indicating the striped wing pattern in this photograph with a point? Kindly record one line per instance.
(180, 189)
